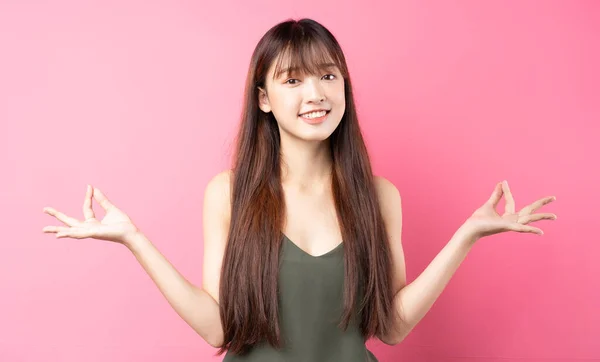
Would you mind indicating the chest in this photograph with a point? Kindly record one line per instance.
(311, 222)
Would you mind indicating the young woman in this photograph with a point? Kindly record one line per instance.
(303, 258)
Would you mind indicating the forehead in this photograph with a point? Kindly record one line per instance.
(286, 63)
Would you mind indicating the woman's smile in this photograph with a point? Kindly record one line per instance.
(315, 117)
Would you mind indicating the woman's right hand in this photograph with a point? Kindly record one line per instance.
(116, 226)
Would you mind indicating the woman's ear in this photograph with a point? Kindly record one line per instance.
(263, 100)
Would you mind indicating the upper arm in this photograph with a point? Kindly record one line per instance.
(391, 210)
(216, 217)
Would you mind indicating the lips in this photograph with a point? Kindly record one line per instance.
(315, 120)
(315, 110)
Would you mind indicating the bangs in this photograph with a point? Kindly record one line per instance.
(307, 56)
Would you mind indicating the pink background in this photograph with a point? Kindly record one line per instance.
(142, 99)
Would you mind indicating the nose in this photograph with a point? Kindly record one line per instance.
(314, 91)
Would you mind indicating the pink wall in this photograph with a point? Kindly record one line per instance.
(142, 100)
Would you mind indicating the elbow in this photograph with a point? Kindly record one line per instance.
(217, 339)
(214, 339)
(396, 340)
(392, 340)
(396, 335)
(215, 342)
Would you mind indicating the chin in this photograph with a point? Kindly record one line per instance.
(316, 138)
(315, 135)
(308, 136)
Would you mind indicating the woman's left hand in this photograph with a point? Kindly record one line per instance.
(486, 221)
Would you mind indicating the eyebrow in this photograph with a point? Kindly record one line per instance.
(292, 69)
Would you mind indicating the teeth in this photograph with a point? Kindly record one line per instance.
(314, 114)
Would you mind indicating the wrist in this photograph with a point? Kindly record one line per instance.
(466, 235)
(134, 240)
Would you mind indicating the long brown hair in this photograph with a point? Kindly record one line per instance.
(248, 285)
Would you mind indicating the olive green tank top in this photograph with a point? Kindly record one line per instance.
(310, 306)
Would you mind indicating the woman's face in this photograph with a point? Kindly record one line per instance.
(292, 98)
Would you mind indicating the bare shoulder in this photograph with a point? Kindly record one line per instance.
(391, 209)
(386, 191)
(390, 204)
(222, 180)
(216, 216)
(218, 190)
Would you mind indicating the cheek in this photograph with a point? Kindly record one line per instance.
(285, 108)
(338, 95)
(340, 100)
(290, 106)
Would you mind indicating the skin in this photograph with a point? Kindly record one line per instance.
(306, 167)
(414, 300)
(304, 147)
(311, 220)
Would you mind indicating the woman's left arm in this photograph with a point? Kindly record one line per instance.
(413, 301)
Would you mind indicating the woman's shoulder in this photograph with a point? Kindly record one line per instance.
(385, 188)
(220, 183)
(222, 178)
(216, 218)
(217, 194)
(390, 203)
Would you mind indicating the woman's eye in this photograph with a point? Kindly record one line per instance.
(289, 81)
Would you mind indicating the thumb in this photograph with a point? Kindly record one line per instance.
(496, 194)
(102, 199)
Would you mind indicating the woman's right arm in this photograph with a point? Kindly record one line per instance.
(197, 306)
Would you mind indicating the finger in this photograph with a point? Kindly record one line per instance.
(496, 195)
(74, 233)
(102, 199)
(54, 229)
(88, 211)
(536, 205)
(509, 207)
(536, 217)
(67, 220)
(525, 229)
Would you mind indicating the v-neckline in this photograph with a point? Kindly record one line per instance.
(338, 246)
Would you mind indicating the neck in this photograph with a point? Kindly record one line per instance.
(305, 166)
